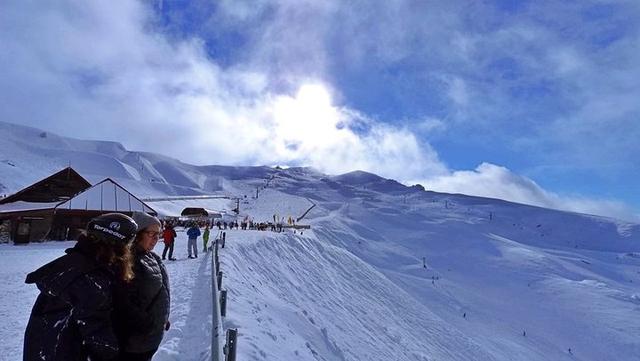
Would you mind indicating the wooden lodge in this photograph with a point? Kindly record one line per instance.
(59, 207)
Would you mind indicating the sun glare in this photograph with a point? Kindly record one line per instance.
(307, 120)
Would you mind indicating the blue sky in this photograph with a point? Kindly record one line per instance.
(531, 101)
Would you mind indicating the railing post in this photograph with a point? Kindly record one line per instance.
(230, 347)
(216, 327)
(223, 303)
(216, 259)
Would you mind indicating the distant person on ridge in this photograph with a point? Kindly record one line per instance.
(205, 238)
(142, 305)
(193, 233)
(169, 236)
(72, 317)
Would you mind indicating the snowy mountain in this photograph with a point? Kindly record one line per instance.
(387, 272)
(30, 154)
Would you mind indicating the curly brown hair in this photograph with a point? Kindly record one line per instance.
(116, 255)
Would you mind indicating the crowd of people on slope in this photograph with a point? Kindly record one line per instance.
(193, 232)
(277, 225)
(107, 298)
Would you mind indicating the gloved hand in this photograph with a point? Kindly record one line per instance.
(167, 326)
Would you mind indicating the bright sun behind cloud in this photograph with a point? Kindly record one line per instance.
(308, 121)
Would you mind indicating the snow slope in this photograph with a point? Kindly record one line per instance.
(517, 281)
(310, 300)
(387, 272)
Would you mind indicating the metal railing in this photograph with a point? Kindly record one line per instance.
(183, 198)
(219, 309)
(216, 329)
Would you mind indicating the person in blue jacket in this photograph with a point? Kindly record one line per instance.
(193, 233)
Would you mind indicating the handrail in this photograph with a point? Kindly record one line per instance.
(217, 335)
(183, 198)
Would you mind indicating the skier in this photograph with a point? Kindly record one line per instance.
(193, 233)
(142, 305)
(71, 319)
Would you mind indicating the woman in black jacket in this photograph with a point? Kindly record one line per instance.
(71, 319)
(142, 306)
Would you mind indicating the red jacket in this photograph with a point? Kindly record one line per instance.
(169, 235)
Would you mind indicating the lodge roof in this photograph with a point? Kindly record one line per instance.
(21, 206)
(199, 211)
(77, 194)
(57, 187)
(107, 195)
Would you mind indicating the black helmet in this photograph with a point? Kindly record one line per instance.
(112, 227)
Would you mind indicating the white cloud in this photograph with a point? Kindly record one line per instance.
(489, 180)
(458, 92)
(308, 129)
(430, 125)
(108, 75)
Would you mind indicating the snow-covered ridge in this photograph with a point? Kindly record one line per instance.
(30, 154)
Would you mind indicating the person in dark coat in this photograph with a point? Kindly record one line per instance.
(71, 319)
(142, 305)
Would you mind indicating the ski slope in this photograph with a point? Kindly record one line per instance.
(509, 282)
(387, 272)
